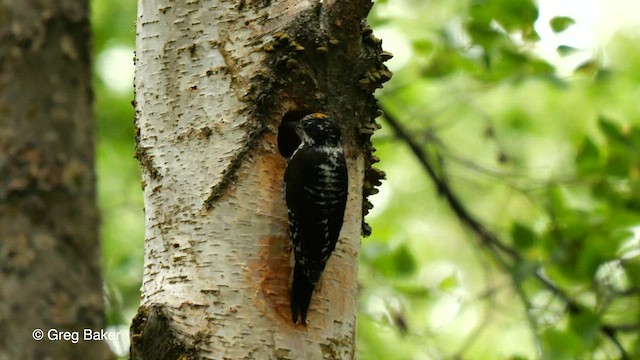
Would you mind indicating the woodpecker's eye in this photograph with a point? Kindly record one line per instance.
(288, 139)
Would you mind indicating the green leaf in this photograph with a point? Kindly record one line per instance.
(612, 131)
(388, 261)
(623, 150)
(523, 237)
(560, 345)
(561, 23)
(515, 15)
(449, 283)
(403, 260)
(532, 36)
(632, 270)
(482, 34)
(586, 325)
(620, 161)
(588, 158)
(423, 47)
(565, 50)
(589, 67)
(412, 290)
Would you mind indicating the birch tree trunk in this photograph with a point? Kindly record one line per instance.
(214, 79)
(50, 277)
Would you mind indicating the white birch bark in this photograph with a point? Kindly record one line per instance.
(217, 247)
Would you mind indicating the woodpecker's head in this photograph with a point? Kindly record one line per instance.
(318, 129)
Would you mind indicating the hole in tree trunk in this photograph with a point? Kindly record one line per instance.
(288, 140)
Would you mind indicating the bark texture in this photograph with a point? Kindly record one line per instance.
(49, 245)
(213, 82)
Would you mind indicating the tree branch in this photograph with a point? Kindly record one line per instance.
(444, 190)
(491, 240)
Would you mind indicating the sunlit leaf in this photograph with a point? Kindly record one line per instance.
(449, 283)
(412, 289)
(561, 23)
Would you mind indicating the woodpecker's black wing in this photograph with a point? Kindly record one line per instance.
(316, 184)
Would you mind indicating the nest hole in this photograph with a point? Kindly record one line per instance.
(288, 140)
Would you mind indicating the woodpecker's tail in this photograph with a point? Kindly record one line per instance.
(301, 291)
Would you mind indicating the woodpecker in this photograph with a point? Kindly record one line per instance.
(315, 187)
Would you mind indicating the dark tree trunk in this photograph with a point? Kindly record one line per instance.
(49, 245)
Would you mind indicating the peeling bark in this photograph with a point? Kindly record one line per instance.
(213, 82)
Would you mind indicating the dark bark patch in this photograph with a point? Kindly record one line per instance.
(153, 337)
(328, 61)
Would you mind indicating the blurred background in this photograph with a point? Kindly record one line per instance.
(528, 111)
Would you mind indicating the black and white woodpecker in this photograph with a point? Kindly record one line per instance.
(315, 187)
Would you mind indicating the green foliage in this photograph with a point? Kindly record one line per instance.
(561, 23)
(549, 165)
(512, 16)
(398, 262)
(491, 26)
